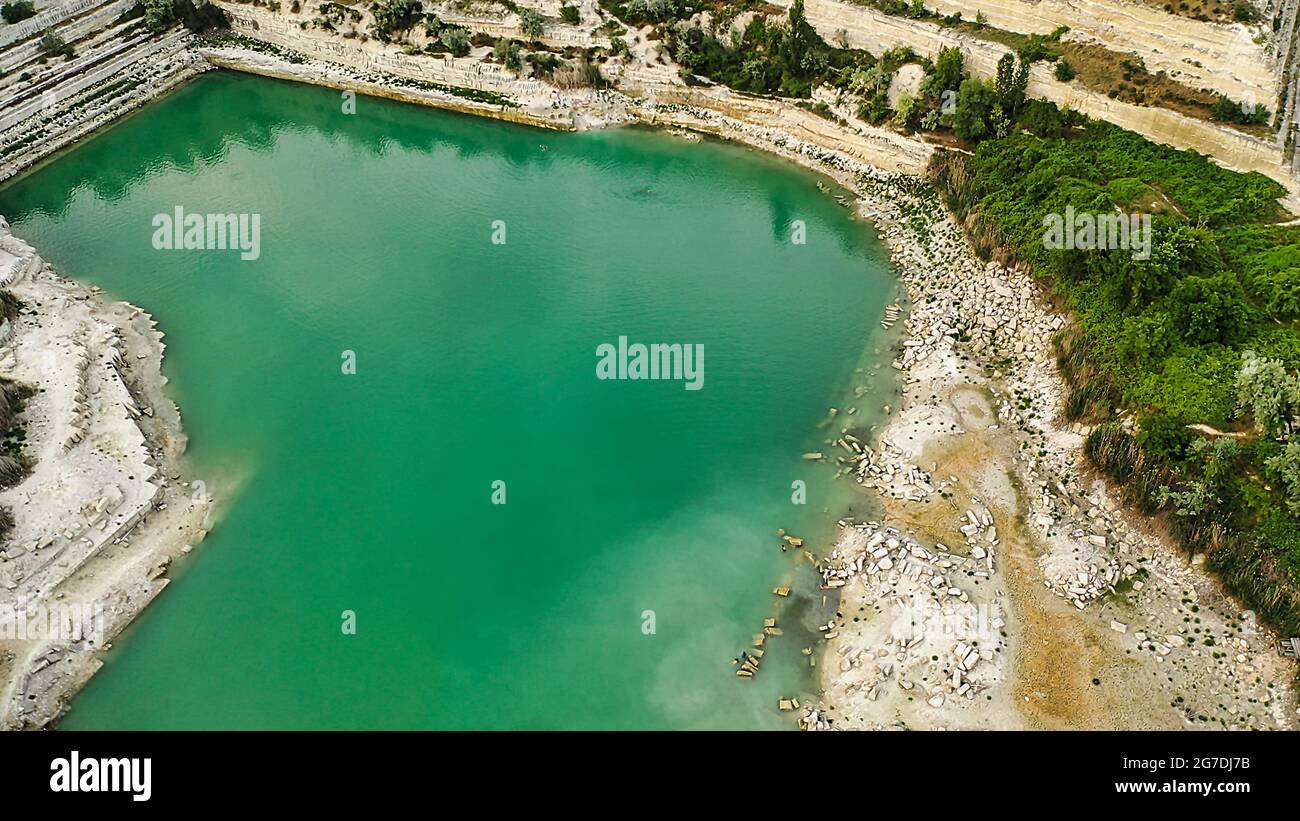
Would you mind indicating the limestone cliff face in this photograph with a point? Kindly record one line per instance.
(876, 32)
(1215, 56)
(283, 30)
(1284, 52)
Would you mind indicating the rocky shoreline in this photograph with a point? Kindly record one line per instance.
(107, 507)
(1004, 586)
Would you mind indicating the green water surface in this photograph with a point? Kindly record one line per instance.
(372, 492)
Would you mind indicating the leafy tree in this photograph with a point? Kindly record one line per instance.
(1174, 253)
(1147, 338)
(1218, 459)
(1042, 118)
(1037, 47)
(1011, 82)
(783, 57)
(1281, 292)
(974, 117)
(530, 23)
(570, 15)
(754, 72)
(801, 36)
(1243, 11)
(17, 11)
(158, 14)
(507, 52)
(867, 82)
(199, 15)
(641, 11)
(52, 45)
(876, 109)
(456, 39)
(1195, 500)
(949, 70)
(906, 113)
(1063, 71)
(391, 16)
(1230, 111)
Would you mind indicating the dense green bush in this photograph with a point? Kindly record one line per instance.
(1209, 309)
(195, 15)
(1230, 111)
(17, 11)
(393, 16)
(1243, 11)
(456, 39)
(507, 53)
(780, 57)
(52, 45)
(978, 115)
(531, 23)
(641, 12)
(1198, 331)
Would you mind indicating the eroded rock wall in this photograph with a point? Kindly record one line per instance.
(876, 32)
(1214, 56)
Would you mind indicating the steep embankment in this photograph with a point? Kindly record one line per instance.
(869, 29)
(109, 65)
(1217, 56)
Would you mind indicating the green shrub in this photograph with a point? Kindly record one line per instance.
(52, 45)
(1210, 309)
(978, 111)
(507, 53)
(1286, 467)
(771, 57)
(17, 11)
(1229, 111)
(393, 16)
(531, 23)
(456, 39)
(1243, 11)
(1165, 438)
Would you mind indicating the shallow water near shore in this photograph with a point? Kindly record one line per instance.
(475, 363)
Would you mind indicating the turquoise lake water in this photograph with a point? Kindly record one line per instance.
(475, 363)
